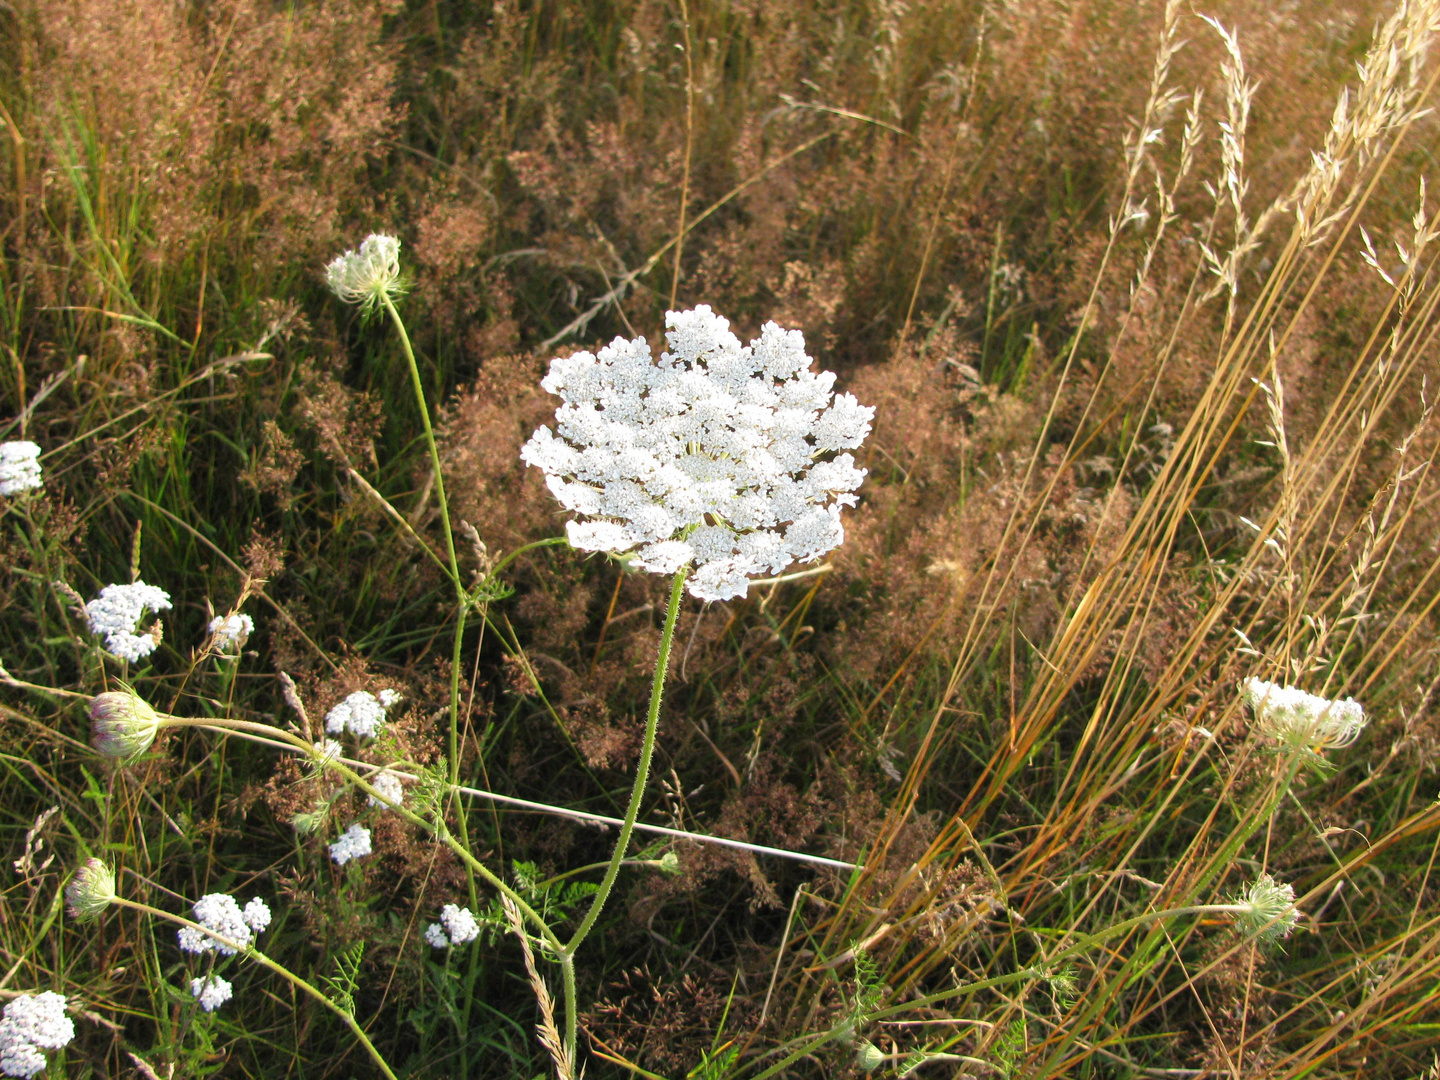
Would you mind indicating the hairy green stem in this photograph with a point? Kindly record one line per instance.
(252, 953)
(637, 794)
(463, 600)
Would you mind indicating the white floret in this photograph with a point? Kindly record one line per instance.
(388, 785)
(116, 613)
(460, 925)
(435, 935)
(361, 713)
(1298, 718)
(220, 914)
(708, 457)
(256, 914)
(19, 467)
(352, 844)
(40, 1019)
(329, 751)
(213, 991)
(232, 631)
(17, 1056)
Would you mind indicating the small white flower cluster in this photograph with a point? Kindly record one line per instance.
(32, 1023)
(368, 275)
(362, 713)
(19, 467)
(387, 784)
(117, 612)
(220, 914)
(353, 843)
(1302, 720)
(707, 457)
(213, 991)
(457, 926)
(231, 631)
(329, 751)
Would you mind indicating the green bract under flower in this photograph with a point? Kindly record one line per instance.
(91, 890)
(1271, 913)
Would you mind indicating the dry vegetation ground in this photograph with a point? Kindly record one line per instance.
(1146, 305)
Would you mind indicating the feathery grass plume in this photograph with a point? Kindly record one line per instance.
(91, 890)
(116, 613)
(353, 843)
(1300, 720)
(212, 991)
(32, 1023)
(122, 724)
(1271, 913)
(366, 277)
(561, 1055)
(19, 467)
(708, 457)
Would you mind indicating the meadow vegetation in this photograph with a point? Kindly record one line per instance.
(1144, 298)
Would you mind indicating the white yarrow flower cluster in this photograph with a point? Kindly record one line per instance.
(213, 991)
(362, 713)
(329, 751)
(387, 784)
(711, 456)
(32, 1023)
(366, 276)
(457, 926)
(1301, 720)
(231, 631)
(19, 467)
(220, 914)
(353, 843)
(116, 613)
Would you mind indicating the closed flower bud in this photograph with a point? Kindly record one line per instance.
(122, 725)
(91, 890)
(1270, 913)
(868, 1055)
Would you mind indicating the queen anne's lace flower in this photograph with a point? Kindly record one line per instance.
(362, 713)
(1304, 721)
(256, 914)
(213, 991)
(457, 926)
(366, 276)
(117, 612)
(32, 1023)
(231, 631)
(222, 915)
(353, 843)
(19, 467)
(710, 457)
(1271, 913)
(387, 784)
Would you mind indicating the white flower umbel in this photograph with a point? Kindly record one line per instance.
(221, 914)
(388, 785)
(715, 456)
(1270, 913)
(213, 991)
(367, 276)
(256, 915)
(19, 467)
(353, 843)
(231, 631)
(1299, 720)
(329, 751)
(361, 713)
(32, 1023)
(457, 926)
(116, 613)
